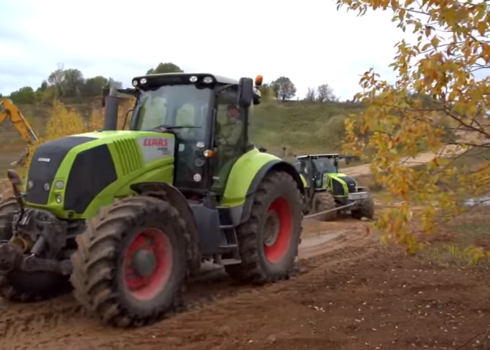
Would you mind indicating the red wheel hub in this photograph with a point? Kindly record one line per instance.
(278, 230)
(148, 264)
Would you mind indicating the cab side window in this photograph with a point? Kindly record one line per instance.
(228, 138)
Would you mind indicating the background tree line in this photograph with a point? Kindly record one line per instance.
(70, 83)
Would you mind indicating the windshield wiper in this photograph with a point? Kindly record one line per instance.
(178, 127)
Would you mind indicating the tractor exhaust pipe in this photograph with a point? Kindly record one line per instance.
(111, 109)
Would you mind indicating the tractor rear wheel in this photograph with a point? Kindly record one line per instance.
(324, 201)
(130, 264)
(366, 209)
(268, 242)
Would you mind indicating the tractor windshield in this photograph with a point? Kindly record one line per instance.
(325, 165)
(180, 107)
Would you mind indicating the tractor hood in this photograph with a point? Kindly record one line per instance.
(341, 184)
(74, 169)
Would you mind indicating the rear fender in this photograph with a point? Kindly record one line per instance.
(245, 176)
(273, 166)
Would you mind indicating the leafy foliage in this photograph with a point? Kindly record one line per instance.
(70, 83)
(165, 68)
(325, 94)
(284, 87)
(310, 95)
(437, 92)
(24, 95)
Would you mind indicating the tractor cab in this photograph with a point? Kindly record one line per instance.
(315, 168)
(208, 117)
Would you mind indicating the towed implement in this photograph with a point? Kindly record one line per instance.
(328, 190)
(125, 216)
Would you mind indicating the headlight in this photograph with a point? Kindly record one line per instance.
(59, 199)
(46, 187)
(59, 184)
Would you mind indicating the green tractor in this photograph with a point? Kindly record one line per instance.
(328, 190)
(124, 217)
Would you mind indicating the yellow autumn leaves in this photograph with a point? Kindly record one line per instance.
(436, 101)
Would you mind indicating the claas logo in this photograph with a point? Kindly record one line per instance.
(155, 142)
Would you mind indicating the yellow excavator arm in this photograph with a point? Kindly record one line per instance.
(9, 111)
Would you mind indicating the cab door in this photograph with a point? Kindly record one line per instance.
(228, 138)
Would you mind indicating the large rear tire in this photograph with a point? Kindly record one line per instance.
(268, 242)
(324, 201)
(130, 264)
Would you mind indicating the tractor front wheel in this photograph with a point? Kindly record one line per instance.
(268, 242)
(324, 201)
(366, 209)
(130, 265)
(8, 208)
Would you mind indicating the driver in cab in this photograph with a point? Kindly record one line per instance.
(230, 131)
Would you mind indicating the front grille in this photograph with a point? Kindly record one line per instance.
(338, 188)
(129, 155)
(351, 183)
(91, 172)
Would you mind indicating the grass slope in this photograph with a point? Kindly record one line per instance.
(302, 127)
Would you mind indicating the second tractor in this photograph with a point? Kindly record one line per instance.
(328, 190)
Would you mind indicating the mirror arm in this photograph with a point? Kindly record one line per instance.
(223, 88)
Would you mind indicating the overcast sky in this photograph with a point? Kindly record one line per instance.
(308, 41)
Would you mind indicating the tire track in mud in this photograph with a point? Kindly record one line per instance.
(61, 322)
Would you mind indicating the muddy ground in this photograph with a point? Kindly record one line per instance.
(352, 293)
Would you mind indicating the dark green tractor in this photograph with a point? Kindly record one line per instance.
(126, 216)
(328, 189)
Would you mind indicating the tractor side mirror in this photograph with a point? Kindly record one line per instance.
(245, 92)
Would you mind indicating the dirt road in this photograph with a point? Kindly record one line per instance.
(422, 158)
(351, 294)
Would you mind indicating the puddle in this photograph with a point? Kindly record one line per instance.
(484, 200)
